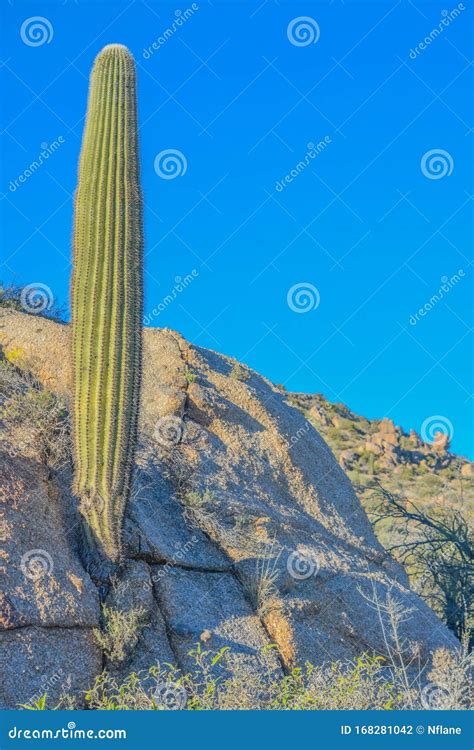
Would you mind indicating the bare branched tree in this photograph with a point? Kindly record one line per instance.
(438, 552)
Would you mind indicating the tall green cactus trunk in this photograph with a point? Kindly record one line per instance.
(107, 300)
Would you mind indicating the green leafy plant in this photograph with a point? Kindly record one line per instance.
(190, 376)
(120, 632)
(238, 372)
(198, 509)
(38, 705)
(363, 683)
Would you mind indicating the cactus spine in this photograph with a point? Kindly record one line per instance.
(107, 300)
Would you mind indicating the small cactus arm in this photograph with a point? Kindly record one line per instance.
(106, 299)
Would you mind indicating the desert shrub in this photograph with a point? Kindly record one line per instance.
(190, 376)
(11, 299)
(437, 549)
(216, 681)
(364, 683)
(432, 484)
(340, 440)
(35, 420)
(450, 683)
(198, 510)
(339, 685)
(244, 533)
(194, 501)
(405, 472)
(119, 632)
(238, 372)
(345, 423)
(260, 588)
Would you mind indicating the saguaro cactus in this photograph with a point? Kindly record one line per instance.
(107, 300)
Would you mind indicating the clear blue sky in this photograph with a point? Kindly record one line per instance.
(361, 222)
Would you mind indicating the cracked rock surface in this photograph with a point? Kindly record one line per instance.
(233, 488)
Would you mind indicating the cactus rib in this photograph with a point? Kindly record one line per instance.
(107, 299)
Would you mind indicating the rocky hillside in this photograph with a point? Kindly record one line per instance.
(242, 531)
(372, 451)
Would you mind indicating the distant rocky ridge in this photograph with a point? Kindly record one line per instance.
(372, 451)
